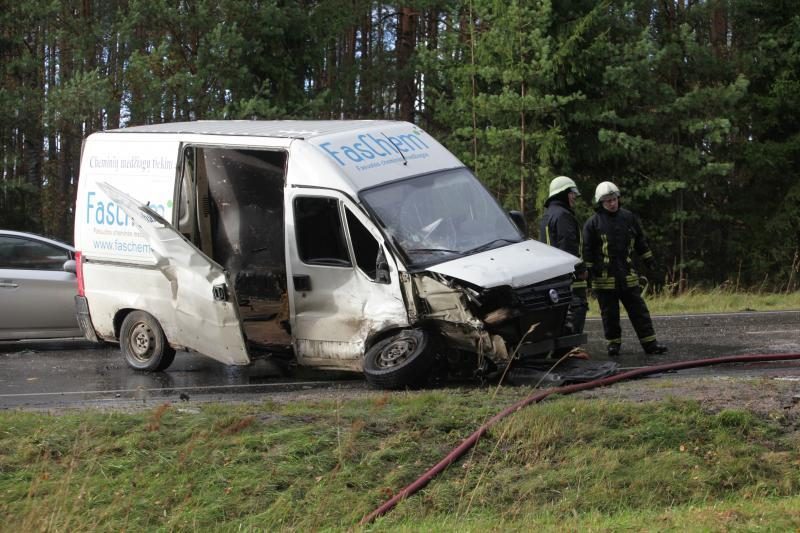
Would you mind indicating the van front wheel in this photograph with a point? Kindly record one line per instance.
(400, 361)
(144, 344)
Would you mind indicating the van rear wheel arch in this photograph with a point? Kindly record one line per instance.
(119, 318)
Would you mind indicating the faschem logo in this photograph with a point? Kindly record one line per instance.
(370, 147)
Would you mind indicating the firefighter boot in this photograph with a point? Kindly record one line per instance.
(613, 349)
(653, 348)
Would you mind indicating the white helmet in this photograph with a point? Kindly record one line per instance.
(561, 184)
(605, 190)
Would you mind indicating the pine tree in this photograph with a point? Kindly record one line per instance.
(502, 102)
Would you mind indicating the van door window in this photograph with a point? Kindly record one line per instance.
(318, 228)
(193, 215)
(366, 250)
(187, 213)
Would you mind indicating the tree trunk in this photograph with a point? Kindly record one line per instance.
(431, 78)
(32, 112)
(330, 77)
(348, 71)
(380, 61)
(115, 73)
(406, 92)
(522, 151)
(719, 28)
(365, 77)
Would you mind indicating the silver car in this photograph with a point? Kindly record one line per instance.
(37, 288)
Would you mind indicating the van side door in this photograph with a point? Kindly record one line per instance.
(345, 283)
(203, 315)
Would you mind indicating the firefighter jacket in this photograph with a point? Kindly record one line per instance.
(560, 228)
(609, 240)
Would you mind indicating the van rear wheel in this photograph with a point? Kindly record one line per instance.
(144, 344)
(401, 361)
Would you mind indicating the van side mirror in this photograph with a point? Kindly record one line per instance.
(519, 220)
(69, 266)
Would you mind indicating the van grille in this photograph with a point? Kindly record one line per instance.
(537, 297)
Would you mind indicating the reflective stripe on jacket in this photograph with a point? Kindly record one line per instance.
(609, 240)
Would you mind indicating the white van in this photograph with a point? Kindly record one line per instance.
(349, 245)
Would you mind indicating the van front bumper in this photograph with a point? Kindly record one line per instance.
(545, 346)
(84, 319)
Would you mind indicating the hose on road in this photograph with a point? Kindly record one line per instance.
(470, 441)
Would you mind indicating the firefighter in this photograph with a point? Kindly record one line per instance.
(610, 237)
(560, 228)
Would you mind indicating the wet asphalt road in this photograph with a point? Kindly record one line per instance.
(58, 374)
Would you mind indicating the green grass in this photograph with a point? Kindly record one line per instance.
(564, 464)
(720, 300)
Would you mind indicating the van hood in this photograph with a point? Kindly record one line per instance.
(518, 265)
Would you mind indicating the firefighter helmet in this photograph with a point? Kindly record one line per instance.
(604, 191)
(561, 184)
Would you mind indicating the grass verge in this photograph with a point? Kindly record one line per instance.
(565, 464)
(719, 300)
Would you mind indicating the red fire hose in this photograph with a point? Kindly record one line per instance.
(470, 441)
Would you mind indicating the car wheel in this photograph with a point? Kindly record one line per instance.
(144, 344)
(400, 361)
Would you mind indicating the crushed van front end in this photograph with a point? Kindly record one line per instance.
(496, 324)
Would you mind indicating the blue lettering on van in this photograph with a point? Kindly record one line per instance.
(370, 147)
(108, 213)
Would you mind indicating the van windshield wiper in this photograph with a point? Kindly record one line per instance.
(430, 250)
(488, 245)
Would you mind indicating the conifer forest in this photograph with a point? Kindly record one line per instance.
(692, 107)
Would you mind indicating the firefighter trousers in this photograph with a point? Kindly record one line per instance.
(576, 315)
(631, 298)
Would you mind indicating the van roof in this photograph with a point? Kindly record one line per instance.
(348, 155)
(287, 129)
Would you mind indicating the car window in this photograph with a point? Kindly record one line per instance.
(27, 254)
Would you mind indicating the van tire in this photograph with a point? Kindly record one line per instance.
(401, 361)
(144, 344)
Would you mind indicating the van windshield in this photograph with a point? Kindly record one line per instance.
(441, 216)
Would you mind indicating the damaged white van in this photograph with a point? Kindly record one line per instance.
(350, 245)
